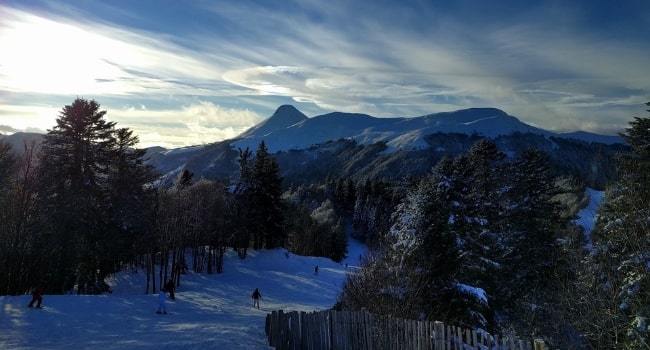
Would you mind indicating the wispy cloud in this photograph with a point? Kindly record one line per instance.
(218, 68)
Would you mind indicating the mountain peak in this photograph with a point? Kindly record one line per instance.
(282, 118)
(287, 115)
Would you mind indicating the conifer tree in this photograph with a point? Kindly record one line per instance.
(86, 168)
(616, 311)
(268, 210)
(259, 193)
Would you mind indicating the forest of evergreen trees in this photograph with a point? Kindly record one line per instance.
(482, 240)
(503, 226)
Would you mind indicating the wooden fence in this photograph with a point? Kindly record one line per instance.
(361, 330)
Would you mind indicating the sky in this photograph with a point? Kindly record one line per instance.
(192, 72)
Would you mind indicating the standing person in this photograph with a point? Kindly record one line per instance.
(316, 270)
(256, 298)
(169, 288)
(37, 297)
(161, 302)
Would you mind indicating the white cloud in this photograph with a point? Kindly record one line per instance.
(198, 123)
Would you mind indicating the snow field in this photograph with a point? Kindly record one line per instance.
(210, 311)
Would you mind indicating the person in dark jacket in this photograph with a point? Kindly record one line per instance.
(169, 288)
(256, 298)
(37, 297)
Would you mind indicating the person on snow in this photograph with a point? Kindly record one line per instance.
(169, 288)
(256, 298)
(161, 302)
(37, 297)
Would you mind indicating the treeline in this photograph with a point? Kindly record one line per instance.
(592, 162)
(83, 205)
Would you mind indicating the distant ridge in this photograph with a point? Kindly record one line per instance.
(18, 140)
(289, 129)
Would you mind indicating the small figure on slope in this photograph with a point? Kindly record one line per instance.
(256, 298)
(169, 288)
(161, 302)
(37, 297)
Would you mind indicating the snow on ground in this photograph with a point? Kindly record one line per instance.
(587, 216)
(210, 311)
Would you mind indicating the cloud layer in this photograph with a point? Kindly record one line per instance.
(207, 71)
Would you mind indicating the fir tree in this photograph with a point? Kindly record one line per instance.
(85, 169)
(616, 312)
(261, 208)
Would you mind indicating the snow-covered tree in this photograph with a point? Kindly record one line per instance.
(417, 265)
(615, 277)
(472, 239)
(533, 224)
(477, 182)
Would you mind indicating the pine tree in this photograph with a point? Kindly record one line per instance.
(476, 183)
(617, 310)
(260, 203)
(130, 199)
(243, 205)
(268, 211)
(82, 169)
(185, 179)
(532, 223)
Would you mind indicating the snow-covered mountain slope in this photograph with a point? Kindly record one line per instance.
(210, 311)
(284, 117)
(289, 129)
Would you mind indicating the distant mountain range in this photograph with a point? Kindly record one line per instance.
(288, 129)
(359, 145)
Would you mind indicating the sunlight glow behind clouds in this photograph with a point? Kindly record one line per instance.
(75, 58)
(49, 57)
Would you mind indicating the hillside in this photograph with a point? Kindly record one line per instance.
(210, 311)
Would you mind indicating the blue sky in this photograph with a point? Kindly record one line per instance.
(189, 72)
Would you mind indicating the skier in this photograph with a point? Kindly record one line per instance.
(37, 297)
(161, 302)
(316, 270)
(169, 287)
(256, 298)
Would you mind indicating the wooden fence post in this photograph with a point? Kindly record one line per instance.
(539, 344)
(439, 335)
